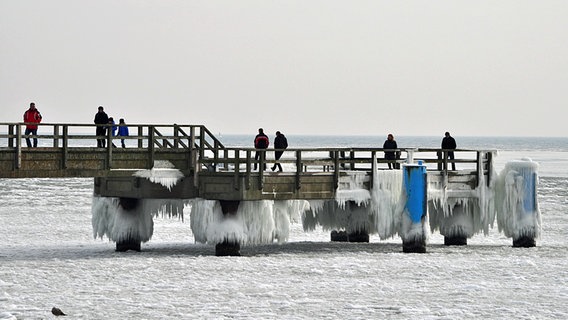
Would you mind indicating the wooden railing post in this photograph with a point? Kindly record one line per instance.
(237, 168)
(18, 160)
(151, 134)
(215, 155)
(489, 156)
(298, 169)
(247, 177)
(11, 135)
(56, 136)
(109, 148)
(373, 168)
(479, 166)
(336, 169)
(140, 135)
(176, 136)
(64, 143)
(192, 158)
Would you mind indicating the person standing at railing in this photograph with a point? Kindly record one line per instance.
(122, 131)
(260, 142)
(449, 143)
(280, 142)
(31, 118)
(112, 126)
(100, 119)
(390, 153)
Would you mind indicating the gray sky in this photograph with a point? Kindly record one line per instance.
(475, 68)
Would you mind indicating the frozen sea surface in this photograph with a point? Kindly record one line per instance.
(48, 257)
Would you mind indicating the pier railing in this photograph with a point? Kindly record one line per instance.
(70, 150)
(73, 142)
(302, 161)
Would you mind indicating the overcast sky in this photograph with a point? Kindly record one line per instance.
(475, 68)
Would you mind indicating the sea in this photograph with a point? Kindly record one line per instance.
(49, 258)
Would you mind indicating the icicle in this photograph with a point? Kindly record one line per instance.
(163, 173)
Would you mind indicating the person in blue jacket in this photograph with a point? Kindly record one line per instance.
(122, 131)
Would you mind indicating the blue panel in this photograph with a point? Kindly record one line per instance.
(529, 195)
(415, 184)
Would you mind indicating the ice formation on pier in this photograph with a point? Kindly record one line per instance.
(355, 208)
(131, 219)
(518, 214)
(163, 173)
(120, 222)
(380, 209)
(461, 216)
(255, 222)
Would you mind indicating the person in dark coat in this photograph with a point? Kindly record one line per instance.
(101, 118)
(449, 143)
(261, 141)
(280, 142)
(390, 153)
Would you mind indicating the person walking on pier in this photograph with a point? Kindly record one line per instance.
(390, 153)
(122, 131)
(260, 142)
(31, 117)
(280, 142)
(449, 143)
(101, 119)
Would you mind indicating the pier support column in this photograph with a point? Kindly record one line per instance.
(358, 236)
(526, 238)
(132, 243)
(339, 236)
(228, 247)
(414, 216)
(455, 241)
(457, 227)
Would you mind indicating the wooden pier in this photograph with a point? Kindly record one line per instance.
(211, 170)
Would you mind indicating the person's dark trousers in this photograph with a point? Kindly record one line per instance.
(451, 157)
(28, 141)
(101, 133)
(277, 155)
(257, 157)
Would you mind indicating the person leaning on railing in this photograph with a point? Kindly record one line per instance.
(31, 116)
(449, 143)
(101, 118)
(122, 131)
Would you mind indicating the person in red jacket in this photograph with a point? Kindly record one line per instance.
(260, 142)
(31, 118)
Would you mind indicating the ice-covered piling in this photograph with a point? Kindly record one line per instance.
(413, 230)
(518, 214)
(228, 247)
(128, 221)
